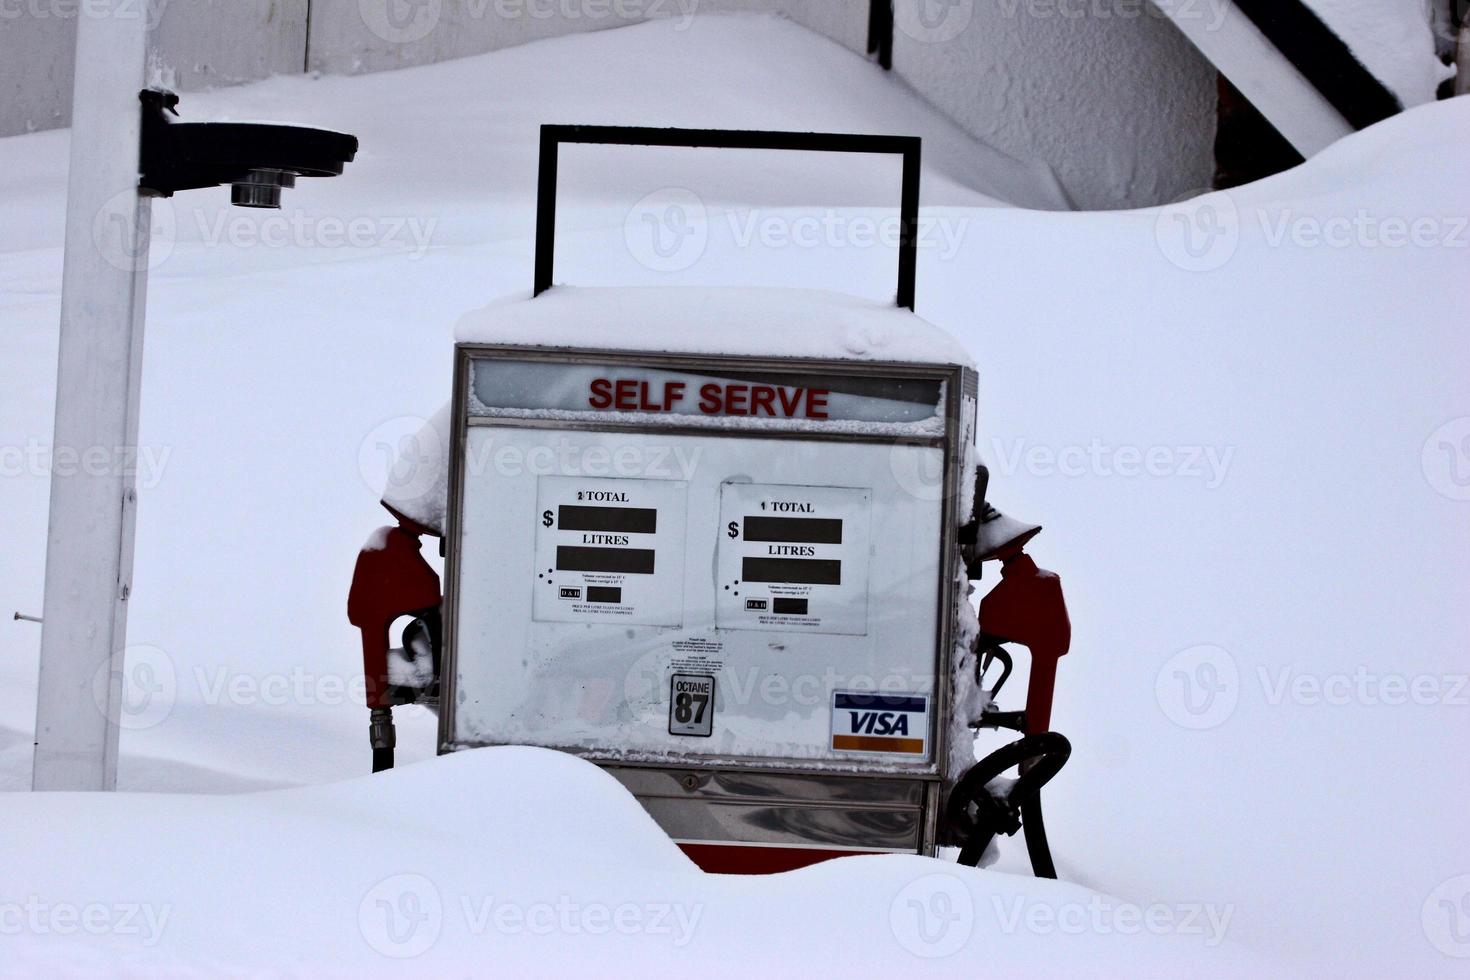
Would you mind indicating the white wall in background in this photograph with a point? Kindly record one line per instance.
(373, 35)
(199, 43)
(36, 58)
(208, 43)
(844, 21)
(1106, 91)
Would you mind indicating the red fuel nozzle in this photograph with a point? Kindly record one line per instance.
(1027, 607)
(391, 580)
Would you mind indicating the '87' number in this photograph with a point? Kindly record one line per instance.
(689, 708)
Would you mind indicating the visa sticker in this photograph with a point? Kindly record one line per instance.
(869, 722)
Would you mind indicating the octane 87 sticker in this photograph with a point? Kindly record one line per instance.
(691, 705)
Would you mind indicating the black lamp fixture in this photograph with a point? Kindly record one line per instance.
(257, 160)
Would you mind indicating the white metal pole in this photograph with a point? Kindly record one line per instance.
(89, 547)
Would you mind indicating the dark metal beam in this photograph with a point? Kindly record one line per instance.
(880, 31)
(1324, 59)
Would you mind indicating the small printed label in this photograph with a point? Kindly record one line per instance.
(868, 722)
(692, 705)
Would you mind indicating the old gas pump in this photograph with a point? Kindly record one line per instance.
(720, 543)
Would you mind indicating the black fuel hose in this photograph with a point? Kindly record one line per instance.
(974, 815)
(1037, 848)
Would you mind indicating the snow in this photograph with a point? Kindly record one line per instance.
(417, 673)
(746, 321)
(690, 320)
(969, 699)
(377, 541)
(428, 871)
(1301, 339)
(416, 481)
(1394, 39)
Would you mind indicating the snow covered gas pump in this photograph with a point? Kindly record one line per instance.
(720, 542)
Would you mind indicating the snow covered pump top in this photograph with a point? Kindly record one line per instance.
(720, 541)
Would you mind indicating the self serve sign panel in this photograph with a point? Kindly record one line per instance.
(609, 551)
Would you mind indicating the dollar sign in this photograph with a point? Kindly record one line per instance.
(546, 519)
(734, 530)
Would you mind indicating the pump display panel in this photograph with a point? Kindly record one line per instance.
(794, 558)
(728, 562)
(609, 551)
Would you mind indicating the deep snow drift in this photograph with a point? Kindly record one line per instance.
(1242, 421)
(521, 862)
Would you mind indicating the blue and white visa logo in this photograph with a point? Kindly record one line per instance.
(867, 722)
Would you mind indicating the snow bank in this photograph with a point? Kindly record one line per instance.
(517, 862)
(1302, 371)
